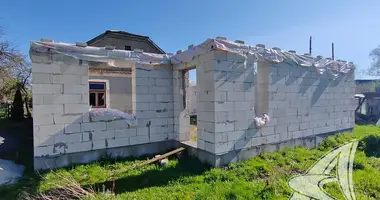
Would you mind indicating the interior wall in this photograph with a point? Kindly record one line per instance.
(120, 91)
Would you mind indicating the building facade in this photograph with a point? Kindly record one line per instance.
(115, 81)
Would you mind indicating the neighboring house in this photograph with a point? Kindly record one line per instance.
(191, 95)
(111, 86)
(125, 41)
(367, 85)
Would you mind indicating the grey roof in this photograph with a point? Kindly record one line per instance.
(127, 34)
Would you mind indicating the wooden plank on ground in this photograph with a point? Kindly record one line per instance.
(163, 156)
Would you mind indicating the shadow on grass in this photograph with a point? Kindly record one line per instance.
(17, 146)
(186, 166)
(18, 142)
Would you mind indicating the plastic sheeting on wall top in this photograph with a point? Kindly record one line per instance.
(251, 53)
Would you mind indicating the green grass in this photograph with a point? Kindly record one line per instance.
(262, 177)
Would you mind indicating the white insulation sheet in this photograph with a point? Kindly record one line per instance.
(252, 54)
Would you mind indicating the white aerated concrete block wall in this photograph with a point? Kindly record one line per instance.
(181, 115)
(300, 102)
(152, 100)
(60, 104)
(304, 103)
(60, 109)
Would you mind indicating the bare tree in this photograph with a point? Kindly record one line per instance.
(15, 74)
(374, 70)
(15, 71)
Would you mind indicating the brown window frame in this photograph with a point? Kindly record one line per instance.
(97, 91)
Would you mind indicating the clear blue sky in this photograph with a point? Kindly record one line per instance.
(354, 26)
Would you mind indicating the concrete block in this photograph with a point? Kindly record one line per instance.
(235, 96)
(219, 96)
(43, 151)
(273, 138)
(84, 80)
(267, 130)
(219, 137)
(222, 106)
(242, 144)
(269, 148)
(62, 99)
(76, 108)
(163, 98)
(78, 147)
(43, 119)
(74, 70)
(66, 79)
(68, 138)
(249, 96)
(47, 89)
(43, 140)
(293, 127)
(38, 99)
(72, 128)
(242, 124)
(144, 98)
(224, 147)
(59, 148)
(119, 142)
(86, 136)
(258, 141)
(85, 99)
(93, 126)
(304, 125)
(160, 130)
(159, 121)
(143, 81)
(158, 137)
(101, 135)
(236, 135)
(224, 86)
(243, 106)
(142, 131)
(223, 127)
(45, 68)
(239, 87)
(139, 140)
(117, 124)
(48, 129)
(98, 144)
(207, 136)
(163, 82)
(66, 119)
(41, 78)
(121, 133)
(298, 134)
(47, 109)
(159, 90)
(142, 90)
(75, 89)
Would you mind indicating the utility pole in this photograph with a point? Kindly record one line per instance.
(332, 51)
(310, 45)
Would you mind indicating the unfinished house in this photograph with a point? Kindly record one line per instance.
(111, 85)
(250, 99)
